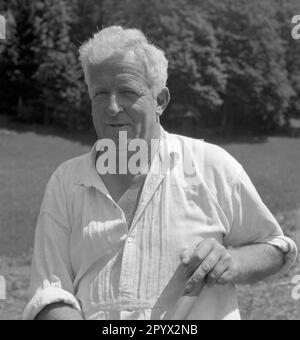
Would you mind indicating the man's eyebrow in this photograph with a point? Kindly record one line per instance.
(129, 87)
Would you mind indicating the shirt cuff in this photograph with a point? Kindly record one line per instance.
(288, 247)
(46, 297)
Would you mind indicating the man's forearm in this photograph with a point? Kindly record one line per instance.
(59, 311)
(256, 262)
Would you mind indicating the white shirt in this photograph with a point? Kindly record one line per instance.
(85, 255)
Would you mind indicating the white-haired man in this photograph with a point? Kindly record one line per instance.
(128, 244)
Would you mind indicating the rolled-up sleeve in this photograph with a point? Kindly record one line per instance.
(253, 223)
(51, 271)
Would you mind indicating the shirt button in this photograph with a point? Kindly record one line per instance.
(129, 239)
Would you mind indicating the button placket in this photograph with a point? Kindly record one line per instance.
(151, 186)
(127, 269)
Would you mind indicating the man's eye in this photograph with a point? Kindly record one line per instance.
(130, 92)
(101, 93)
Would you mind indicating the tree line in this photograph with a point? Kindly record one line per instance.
(232, 64)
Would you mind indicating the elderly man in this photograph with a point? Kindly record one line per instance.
(119, 244)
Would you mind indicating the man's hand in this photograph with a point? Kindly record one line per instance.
(210, 261)
(215, 264)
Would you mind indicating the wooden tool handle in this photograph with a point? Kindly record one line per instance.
(186, 302)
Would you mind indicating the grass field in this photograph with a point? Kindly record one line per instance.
(28, 155)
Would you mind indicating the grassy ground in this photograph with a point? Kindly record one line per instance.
(272, 163)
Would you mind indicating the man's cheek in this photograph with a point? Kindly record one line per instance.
(97, 121)
(95, 106)
(97, 110)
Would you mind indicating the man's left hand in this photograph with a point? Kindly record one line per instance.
(209, 261)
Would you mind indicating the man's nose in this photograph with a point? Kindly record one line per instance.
(113, 107)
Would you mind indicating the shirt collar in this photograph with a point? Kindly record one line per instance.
(88, 176)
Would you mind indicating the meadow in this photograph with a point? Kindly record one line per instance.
(29, 154)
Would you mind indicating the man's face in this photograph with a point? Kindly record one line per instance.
(122, 101)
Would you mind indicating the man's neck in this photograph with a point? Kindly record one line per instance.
(130, 162)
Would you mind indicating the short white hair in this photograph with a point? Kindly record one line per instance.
(116, 41)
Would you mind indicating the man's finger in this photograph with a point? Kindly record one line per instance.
(185, 255)
(216, 273)
(205, 268)
(197, 257)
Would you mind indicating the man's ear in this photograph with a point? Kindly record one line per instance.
(163, 99)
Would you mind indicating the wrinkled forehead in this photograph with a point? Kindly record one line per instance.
(120, 67)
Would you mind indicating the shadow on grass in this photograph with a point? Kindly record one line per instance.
(84, 137)
(88, 136)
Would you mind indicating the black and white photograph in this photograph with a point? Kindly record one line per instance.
(149, 162)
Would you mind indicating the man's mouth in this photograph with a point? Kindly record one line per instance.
(117, 125)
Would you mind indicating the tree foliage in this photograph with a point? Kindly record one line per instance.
(253, 52)
(231, 63)
(40, 63)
